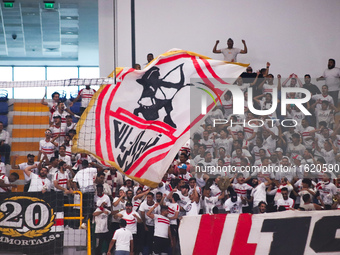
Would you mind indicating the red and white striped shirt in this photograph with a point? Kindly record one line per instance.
(131, 222)
(162, 224)
(86, 95)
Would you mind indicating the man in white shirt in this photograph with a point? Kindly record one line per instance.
(101, 231)
(22, 166)
(162, 234)
(147, 221)
(47, 146)
(123, 240)
(6, 183)
(233, 204)
(132, 218)
(230, 53)
(85, 178)
(258, 193)
(5, 149)
(285, 201)
(332, 77)
(85, 94)
(39, 183)
(326, 190)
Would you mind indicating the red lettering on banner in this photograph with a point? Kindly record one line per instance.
(209, 234)
(240, 244)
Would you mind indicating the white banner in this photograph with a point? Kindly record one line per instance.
(290, 232)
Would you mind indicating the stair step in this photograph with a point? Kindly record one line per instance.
(20, 133)
(30, 107)
(30, 120)
(25, 146)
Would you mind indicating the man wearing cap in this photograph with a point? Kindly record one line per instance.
(22, 166)
(183, 173)
(233, 204)
(129, 185)
(230, 53)
(47, 146)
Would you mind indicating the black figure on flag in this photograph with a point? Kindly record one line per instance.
(158, 93)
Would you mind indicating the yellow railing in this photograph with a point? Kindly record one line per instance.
(80, 218)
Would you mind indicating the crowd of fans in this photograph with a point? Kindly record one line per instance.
(224, 168)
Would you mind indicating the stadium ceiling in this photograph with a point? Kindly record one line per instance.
(44, 32)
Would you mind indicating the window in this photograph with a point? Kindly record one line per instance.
(29, 74)
(6, 75)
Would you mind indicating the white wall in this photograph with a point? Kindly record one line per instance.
(295, 36)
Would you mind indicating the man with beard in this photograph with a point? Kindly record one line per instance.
(332, 77)
(39, 183)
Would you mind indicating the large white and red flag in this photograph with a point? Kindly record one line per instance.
(139, 124)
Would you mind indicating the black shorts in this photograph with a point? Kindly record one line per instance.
(161, 245)
(174, 231)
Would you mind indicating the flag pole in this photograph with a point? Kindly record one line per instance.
(133, 35)
(115, 52)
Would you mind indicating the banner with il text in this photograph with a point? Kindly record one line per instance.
(290, 232)
(139, 124)
(32, 223)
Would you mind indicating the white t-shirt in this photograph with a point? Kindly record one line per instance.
(332, 77)
(85, 178)
(327, 191)
(209, 203)
(22, 166)
(289, 203)
(104, 198)
(232, 207)
(130, 220)
(162, 224)
(322, 98)
(241, 190)
(120, 206)
(259, 194)
(144, 207)
(37, 183)
(192, 208)
(230, 54)
(66, 159)
(101, 221)
(123, 239)
(6, 181)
